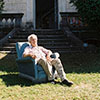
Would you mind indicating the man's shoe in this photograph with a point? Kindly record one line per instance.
(52, 81)
(66, 82)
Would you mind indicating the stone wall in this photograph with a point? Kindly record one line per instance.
(64, 6)
(20, 6)
(27, 7)
(70, 7)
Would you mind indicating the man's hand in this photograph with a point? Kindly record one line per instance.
(49, 58)
(32, 55)
(29, 55)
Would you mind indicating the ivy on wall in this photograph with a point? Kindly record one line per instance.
(1, 5)
(89, 11)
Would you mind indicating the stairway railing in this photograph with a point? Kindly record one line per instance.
(11, 21)
(47, 14)
(80, 32)
(8, 36)
(71, 21)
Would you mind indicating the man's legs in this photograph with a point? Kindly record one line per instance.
(47, 68)
(60, 70)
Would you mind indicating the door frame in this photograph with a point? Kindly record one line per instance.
(56, 14)
(34, 14)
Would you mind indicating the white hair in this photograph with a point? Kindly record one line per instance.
(32, 36)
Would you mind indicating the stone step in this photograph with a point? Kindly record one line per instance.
(48, 47)
(46, 43)
(40, 36)
(8, 52)
(65, 50)
(61, 52)
(40, 40)
(10, 44)
(40, 30)
(39, 33)
(54, 40)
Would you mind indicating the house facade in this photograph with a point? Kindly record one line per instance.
(41, 14)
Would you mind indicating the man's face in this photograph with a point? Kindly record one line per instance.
(33, 42)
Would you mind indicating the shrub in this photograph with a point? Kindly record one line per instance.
(1, 5)
(89, 11)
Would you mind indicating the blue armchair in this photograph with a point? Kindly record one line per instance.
(27, 67)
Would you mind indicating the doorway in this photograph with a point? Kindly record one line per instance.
(46, 14)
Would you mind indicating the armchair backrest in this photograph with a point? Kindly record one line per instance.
(20, 46)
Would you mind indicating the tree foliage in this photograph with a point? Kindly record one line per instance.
(1, 5)
(89, 11)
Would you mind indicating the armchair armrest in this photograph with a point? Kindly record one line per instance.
(25, 60)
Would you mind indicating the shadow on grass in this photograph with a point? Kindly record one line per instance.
(8, 63)
(81, 62)
(14, 79)
(73, 62)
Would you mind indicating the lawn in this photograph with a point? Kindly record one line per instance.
(81, 68)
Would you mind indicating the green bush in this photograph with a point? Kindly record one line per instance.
(89, 11)
(1, 5)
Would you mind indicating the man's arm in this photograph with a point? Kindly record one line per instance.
(48, 55)
(27, 53)
(47, 52)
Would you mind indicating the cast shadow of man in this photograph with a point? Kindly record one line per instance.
(11, 78)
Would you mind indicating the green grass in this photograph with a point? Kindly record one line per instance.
(81, 68)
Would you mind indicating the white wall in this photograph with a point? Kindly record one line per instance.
(29, 11)
(65, 6)
(70, 7)
(20, 6)
(26, 7)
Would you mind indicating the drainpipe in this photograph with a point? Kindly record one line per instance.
(34, 14)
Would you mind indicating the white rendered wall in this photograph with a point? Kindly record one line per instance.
(20, 6)
(28, 8)
(70, 7)
(64, 6)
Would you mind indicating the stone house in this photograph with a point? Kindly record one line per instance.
(41, 14)
(35, 16)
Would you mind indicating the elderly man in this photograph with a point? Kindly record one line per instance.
(43, 57)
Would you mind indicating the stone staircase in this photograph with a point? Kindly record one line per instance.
(54, 40)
